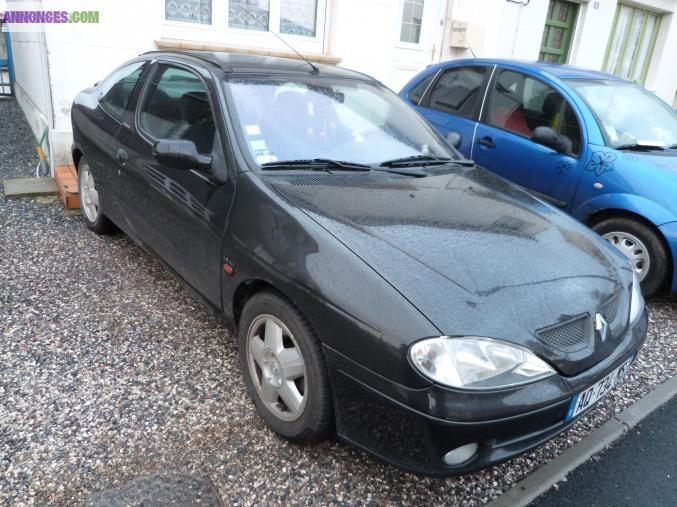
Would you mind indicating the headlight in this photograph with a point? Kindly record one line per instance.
(477, 363)
(637, 300)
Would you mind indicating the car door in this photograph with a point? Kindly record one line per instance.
(180, 214)
(518, 103)
(453, 100)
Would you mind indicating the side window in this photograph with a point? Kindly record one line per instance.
(417, 92)
(176, 106)
(458, 91)
(117, 88)
(521, 103)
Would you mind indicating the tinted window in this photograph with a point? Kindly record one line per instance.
(417, 92)
(458, 91)
(521, 103)
(177, 107)
(116, 89)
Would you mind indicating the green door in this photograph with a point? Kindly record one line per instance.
(558, 31)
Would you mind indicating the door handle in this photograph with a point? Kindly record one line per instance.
(487, 142)
(122, 156)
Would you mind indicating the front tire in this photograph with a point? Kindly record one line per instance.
(643, 247)
(284, 369)
(95, 220)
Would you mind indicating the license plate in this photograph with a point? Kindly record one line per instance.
(583, 401)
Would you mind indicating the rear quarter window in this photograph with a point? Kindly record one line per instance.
(116, 90)
(417, 92)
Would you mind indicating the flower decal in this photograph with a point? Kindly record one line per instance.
(564, 167)
(601, 162)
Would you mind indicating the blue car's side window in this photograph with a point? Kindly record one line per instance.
(417, 92)
(458, 91)
(521, 103)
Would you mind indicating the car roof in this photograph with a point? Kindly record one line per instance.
(236, 63)
(558, 70)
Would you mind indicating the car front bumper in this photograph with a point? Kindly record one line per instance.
(414, 428)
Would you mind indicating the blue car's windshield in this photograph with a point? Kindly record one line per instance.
(628, 113)
(300, 118)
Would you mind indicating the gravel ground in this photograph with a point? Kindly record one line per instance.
(109, 370)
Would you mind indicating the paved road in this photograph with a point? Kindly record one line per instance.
(640, 469)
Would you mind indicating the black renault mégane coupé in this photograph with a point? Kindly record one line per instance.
(381, 287)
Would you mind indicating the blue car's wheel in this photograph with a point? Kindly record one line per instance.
(644, 249)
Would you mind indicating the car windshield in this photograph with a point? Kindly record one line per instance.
(629, 114)
(306, 118)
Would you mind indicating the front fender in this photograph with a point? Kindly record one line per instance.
(650, 210)
(669, 232)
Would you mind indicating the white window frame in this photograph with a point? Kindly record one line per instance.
(400, 19)
(220, 33)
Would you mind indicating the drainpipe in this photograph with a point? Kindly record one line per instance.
(517, 25)
(448, 8)
(50, 103)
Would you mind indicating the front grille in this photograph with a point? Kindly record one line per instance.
(568, 336)
(610, 309)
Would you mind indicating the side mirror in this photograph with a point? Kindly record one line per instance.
(454, 139)
(548, 137)
(181, 154)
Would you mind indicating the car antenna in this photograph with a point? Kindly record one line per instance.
(311, 64)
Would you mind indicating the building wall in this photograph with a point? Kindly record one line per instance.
(504, 29)
(32, 80)
(52, 68)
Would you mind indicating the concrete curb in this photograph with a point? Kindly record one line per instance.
(524, 492)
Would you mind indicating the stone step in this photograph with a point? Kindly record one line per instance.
(29, 187)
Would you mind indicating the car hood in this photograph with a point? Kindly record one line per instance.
(666, 160)
(475, 254)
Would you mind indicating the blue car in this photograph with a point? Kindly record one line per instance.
(596, 146)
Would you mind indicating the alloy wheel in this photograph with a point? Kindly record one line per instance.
(277, 367)
(88, 194)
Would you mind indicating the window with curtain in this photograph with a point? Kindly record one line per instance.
(297, 17)
(293, 17)
(631, 42)
(191, 11)
(412, 17)
(249, 14)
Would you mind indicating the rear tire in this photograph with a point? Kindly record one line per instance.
(284, 369)
(94, 219)
(643, 247)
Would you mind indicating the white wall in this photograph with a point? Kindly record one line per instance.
(366, 35)
(81, 54)
(32, 83)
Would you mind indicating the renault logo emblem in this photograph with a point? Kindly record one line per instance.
(601, 326)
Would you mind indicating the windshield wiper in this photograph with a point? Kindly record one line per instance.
(421, 160)
(329, 165)
(641, 147)
(316, 164)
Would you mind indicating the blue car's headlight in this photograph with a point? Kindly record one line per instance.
(637, 300)
(477, 363)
